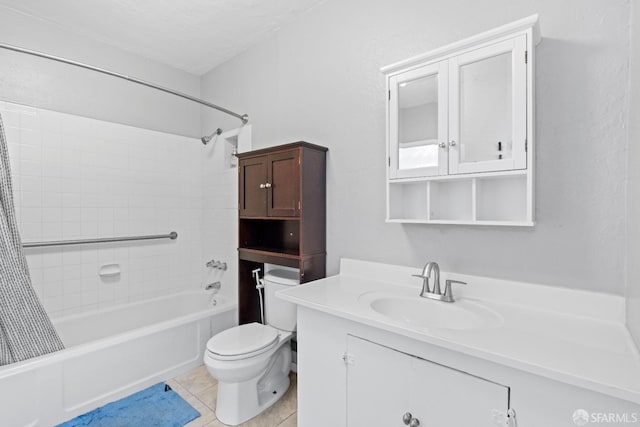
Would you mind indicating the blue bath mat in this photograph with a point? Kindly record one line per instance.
(156, 406)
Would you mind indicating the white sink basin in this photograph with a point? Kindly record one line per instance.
(431, 314)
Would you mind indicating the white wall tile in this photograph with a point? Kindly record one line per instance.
(31, 214)
(31, 199)
(69, 184)
(219, 202)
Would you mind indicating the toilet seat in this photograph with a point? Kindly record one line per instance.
(242, 342)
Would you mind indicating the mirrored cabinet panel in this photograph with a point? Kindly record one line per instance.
(487, 117)
(418, 123)
(485, 110)
(418, 126)
(460, 124)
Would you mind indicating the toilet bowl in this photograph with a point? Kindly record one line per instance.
(252, 362)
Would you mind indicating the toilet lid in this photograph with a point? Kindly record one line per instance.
(243, 339)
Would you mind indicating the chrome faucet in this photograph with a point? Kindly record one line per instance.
(436, 292)
(448, 293)
(215, 286)
(216, 264)
(426, 275)
(433, 266)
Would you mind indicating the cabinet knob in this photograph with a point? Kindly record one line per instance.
(414, 422)
(268, 185)
(263, 185)
(406, 418)
(452, 143)
(443, 145)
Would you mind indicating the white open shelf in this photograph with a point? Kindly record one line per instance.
(478, 199)
(450, 200)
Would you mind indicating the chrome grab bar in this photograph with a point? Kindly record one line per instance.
(173, 235)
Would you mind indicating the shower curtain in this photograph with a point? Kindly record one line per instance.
(25, 329)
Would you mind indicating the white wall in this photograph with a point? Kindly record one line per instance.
(76, 177)
(46, 84)
(633, 189)
(318, 80)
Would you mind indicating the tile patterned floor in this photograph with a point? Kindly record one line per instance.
(199, 389)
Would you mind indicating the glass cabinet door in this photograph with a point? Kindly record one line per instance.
(487, 118)
(418, 122)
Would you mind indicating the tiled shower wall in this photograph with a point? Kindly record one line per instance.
(76, 177)
(220, 228)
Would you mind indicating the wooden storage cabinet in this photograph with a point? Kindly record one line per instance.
(270, 185)
(282, 216)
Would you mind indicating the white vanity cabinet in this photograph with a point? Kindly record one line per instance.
(354, 375)
(507, 364)
(432, 394)
(460, 121)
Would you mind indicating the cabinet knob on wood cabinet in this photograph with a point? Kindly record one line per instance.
(263, 185)
(443, 145)
(452, 143)
(406, 418)
(268, 185)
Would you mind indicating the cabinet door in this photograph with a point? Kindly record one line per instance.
(418, 122)
(252, 186)
(383, 384)
(488, 108)
(377, 385)
(283, 196)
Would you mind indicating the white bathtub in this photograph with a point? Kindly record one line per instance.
(111, 353)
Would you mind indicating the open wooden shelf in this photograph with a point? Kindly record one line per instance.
(271, 252)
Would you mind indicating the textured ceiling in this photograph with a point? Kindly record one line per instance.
(192, 35)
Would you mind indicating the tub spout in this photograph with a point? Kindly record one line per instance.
(215, 287)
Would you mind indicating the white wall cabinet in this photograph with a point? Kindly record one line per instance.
(384, 384)
(463, 113)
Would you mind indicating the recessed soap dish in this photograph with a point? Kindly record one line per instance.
(109, 270)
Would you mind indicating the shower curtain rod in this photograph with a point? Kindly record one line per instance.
(243, 117)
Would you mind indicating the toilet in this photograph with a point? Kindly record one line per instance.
(252, 362)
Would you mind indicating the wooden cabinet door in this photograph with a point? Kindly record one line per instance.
(283, 195)
(383, 384)
(252, 196)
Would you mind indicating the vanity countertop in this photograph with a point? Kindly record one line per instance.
(572, 336)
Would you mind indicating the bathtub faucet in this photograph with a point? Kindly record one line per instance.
(217, 265)
(215, 287)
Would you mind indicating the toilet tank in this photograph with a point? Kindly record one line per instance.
(279, 313)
